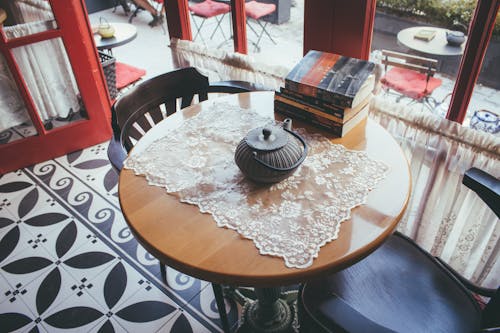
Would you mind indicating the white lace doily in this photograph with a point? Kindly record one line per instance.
(291, 219)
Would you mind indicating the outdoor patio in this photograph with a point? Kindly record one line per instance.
(151, 52)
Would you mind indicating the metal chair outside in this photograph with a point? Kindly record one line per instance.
(410, 76)
(256, 11)
(206, 10)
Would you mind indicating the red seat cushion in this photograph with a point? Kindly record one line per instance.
(409, 83)
(127, 74)
(209, 8)
(256, 9)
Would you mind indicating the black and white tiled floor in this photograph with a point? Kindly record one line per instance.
(68, 261)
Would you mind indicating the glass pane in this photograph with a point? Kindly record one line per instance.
(26, 17)
(15, 122)
(275, 31)
(49, 77)
(435, 30)
(483, 112)
(211, 23)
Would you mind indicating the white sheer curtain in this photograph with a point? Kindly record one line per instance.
(222, 65)
(12, 109)
(444, 216)
(44, 65)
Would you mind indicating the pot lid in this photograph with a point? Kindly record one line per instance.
(267, 138)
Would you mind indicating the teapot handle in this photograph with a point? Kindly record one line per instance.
(296, 164)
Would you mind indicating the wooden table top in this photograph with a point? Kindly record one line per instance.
(437, 46)
(189, 241)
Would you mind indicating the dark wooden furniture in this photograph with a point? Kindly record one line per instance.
(191, 242)
(410, 76)
(402, 288)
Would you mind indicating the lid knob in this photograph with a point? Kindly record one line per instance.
(266, 132)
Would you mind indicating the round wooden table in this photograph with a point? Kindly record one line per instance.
(124, 33)
(189, 241)
(436, 46)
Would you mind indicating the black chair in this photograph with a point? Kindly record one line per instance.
(150, 102)
(402, 288)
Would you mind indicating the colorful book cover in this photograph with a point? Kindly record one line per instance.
(330, 77)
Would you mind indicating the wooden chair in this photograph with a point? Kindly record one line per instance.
(152, 101)
(410, 76)
(402, 288)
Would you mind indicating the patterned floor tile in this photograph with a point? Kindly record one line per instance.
(25, 267)
(68, 261)
(147, 310)
(49, 290)
(13, 185)
(17, 240)
(116, 284)
(78, 313)
(108, 325)
(183, 323)
(15, 316)
(90, 260)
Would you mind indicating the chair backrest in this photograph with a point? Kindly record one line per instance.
(419, 64)
(155, 99)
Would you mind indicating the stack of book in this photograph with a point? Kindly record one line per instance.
(327, 90)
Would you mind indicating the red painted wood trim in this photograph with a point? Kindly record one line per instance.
(366, 45)
(38, 37)
(34, 149)
(481, 28)
(333, 26)
(75, 31)
(178, 20)
(239, 19)
(80, 47)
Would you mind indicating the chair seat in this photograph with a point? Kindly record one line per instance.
(399, 287)
(209, 8)
(127, 74)
(256, 10)
(410, 83)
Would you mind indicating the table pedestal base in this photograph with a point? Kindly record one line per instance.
(266, 310)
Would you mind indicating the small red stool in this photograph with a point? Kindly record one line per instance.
(256, 10)
(208, 9)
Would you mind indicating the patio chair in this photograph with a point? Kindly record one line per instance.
(410, 76)
(206, 10)
(256, 11)
(402, 288)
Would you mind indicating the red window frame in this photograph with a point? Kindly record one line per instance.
(73, 27)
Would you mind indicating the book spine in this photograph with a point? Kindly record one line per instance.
(327, 107)
(338, 117)
(324, 123)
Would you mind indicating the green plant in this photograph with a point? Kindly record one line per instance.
(451, 14)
